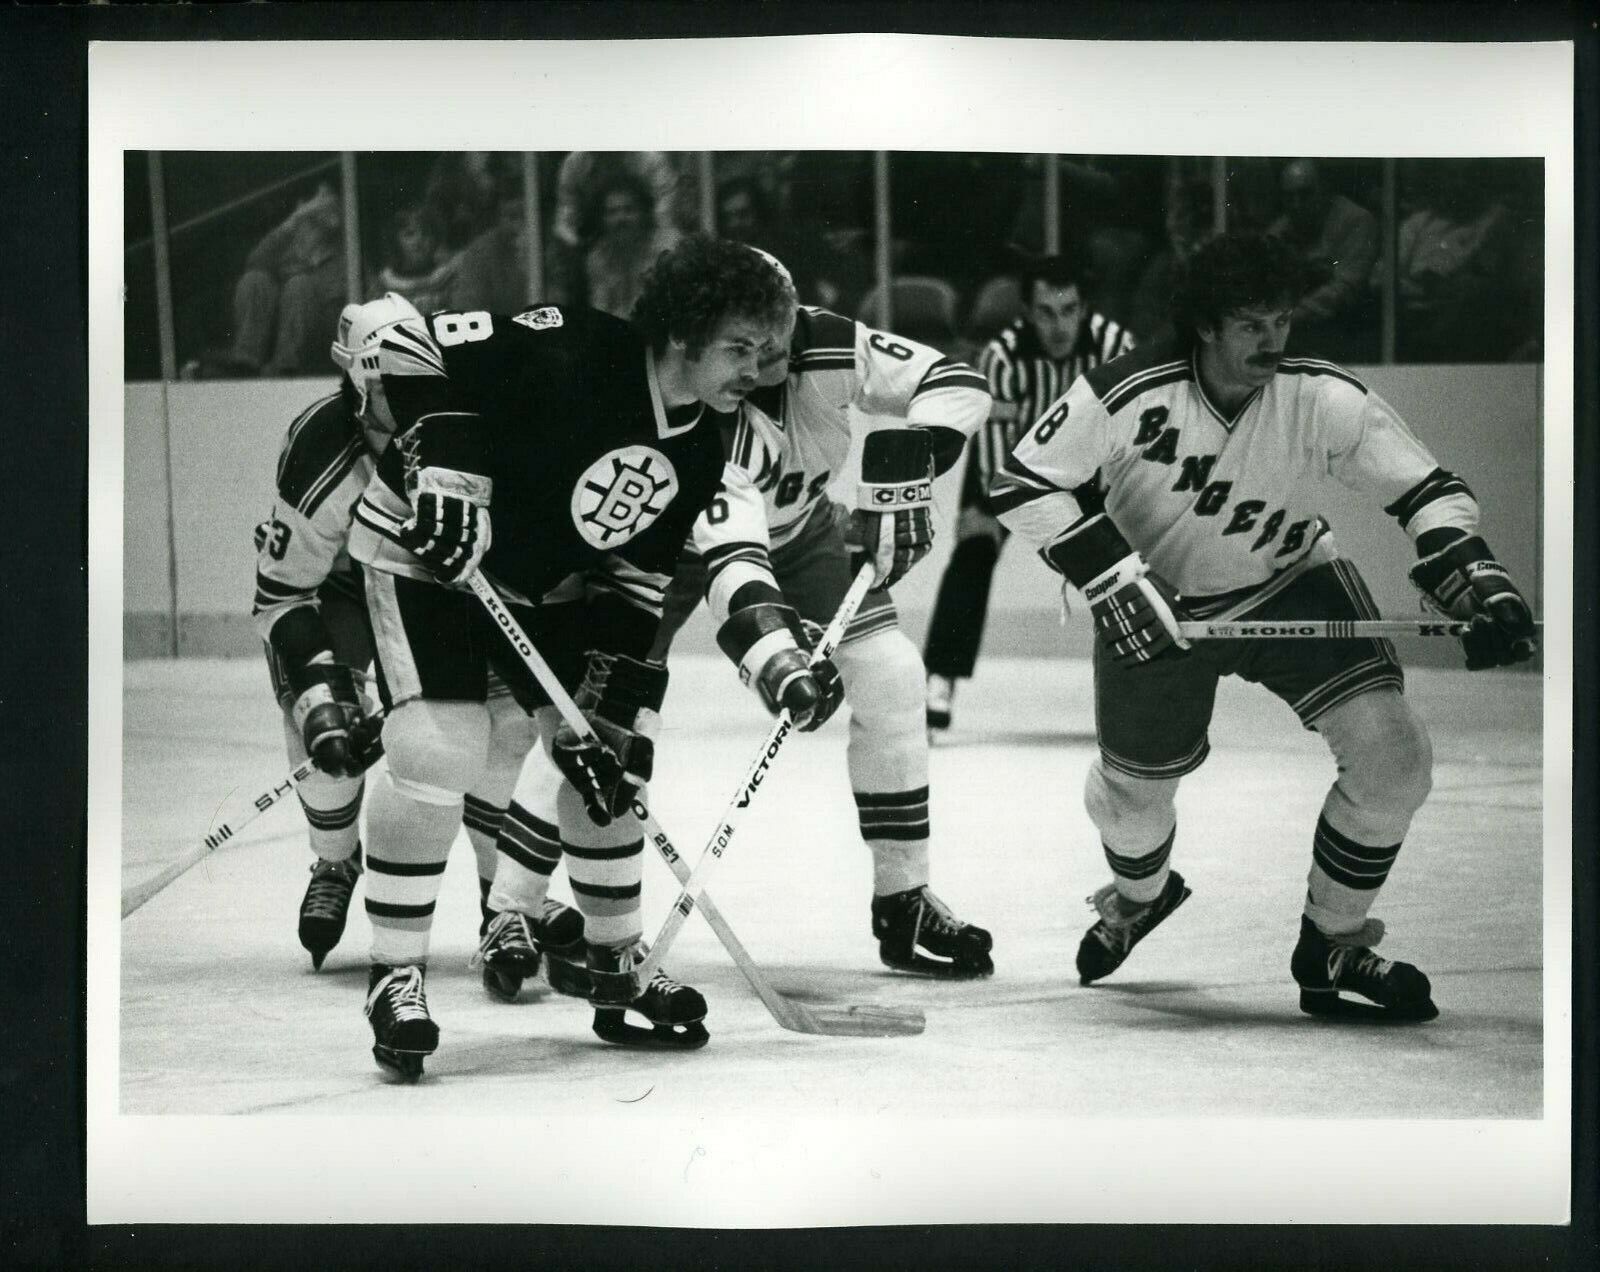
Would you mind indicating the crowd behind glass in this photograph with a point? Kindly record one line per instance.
(1415, 260)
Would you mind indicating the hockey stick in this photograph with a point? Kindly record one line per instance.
(1320, 629)
(854, 1021)
(747, 790)
(134, 897)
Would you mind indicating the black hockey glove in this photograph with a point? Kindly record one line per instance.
(447, 533)
(771, 648)
(1136, 611)
(622, 698)
(892, 526)
(329, 714)
(1464, 581)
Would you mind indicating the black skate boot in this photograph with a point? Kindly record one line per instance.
(483, 907)
(558, 932)
(326, 904)
(673, 1009)
(507, 954)
(917, 933)
(1323, 965)
(1122, 925)
(402, 1031)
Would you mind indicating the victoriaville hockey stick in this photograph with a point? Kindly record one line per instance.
(1324, 629)
(134, 897)
(747, 790)
(854, 1021)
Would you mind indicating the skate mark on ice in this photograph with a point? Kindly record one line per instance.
(636, 1098)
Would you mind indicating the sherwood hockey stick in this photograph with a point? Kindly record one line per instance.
(854, 1021)
(747, 790)
(1319, 629)
(134, 897)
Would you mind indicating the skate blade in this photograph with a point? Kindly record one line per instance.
(1328, 1005)
(566, 977)
(502, 985)
(859, 1021)
(922, 965)
(408, 1064)
(611, 1025)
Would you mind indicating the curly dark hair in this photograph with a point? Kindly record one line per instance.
(701, 281)
(1231, 272)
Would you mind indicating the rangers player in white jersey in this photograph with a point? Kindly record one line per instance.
(1206, 449)
(311, 614)
(774, 550)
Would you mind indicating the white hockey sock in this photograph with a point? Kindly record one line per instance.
(605, 865)
(332, 806)
(409, 831)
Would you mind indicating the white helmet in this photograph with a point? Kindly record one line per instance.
(379, 337)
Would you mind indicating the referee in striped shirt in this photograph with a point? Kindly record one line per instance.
(1028, 365)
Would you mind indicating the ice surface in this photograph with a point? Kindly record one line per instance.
(221, 1012)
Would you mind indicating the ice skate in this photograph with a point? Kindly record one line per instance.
(917, 933)
(513, 944)
(402, 1031)
(1324, 966)
(326, 904)
(674, 1010)
(1122, 925)
(941, 699)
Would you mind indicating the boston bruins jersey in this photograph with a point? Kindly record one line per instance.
(793, 438)
(1218, 502)
(556, 415)
(323, 467)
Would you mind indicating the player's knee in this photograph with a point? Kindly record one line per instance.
(1384, 752)
(884, 681)
(1128, 811)
(512, 731)
(439, 746)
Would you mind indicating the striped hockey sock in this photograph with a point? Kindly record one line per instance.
(895, 826)
(1345, 878)
(1142, 878)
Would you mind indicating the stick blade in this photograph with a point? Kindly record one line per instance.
(860, 1021)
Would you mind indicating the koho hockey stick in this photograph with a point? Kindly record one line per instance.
(1324, 629)
(851, 1021)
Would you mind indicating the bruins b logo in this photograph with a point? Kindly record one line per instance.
(622, 494)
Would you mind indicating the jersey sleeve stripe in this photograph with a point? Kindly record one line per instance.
(1437, 485)
(1317, 366)
(331, 476)
(808, 362)
(950, 374)
(1127, 390)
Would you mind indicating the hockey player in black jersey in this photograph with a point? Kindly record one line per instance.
(567, 453)
(312, 617)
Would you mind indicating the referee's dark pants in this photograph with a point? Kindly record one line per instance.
(955, 631)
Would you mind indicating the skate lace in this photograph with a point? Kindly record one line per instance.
(402, 988)
(508, 930)
(1351, 950)
(596, 675)
(1119, 917)
(329, 892)
(934, 916)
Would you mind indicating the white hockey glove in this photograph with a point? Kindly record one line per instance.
(449, 528)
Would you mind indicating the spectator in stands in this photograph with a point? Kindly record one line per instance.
(415, 262)
(1453, 270)
(627, 243)
(1188, 224)
(743, 213)
(289, 296)
(584, 176)
(463, 196)
(1338, 240)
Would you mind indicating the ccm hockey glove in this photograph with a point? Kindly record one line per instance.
(1136, 611)
(622, 698)
(892, 526)
(1464, 581)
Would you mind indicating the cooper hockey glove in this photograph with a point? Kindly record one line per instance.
(1136, 612)
(447, 533)
(329, 714)
(1464, 581)
(622, 698)
(771, 648)
(892, 526)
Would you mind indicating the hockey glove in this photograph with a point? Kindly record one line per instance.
(892, 526)
(768, 643)
(621, 697)
(1136, 611)
(1464, 581)
(447, 533)
(328, 712)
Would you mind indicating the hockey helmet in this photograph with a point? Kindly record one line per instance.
(360, 352)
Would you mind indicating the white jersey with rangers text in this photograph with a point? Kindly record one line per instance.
(793, 439)
(1217, 503)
